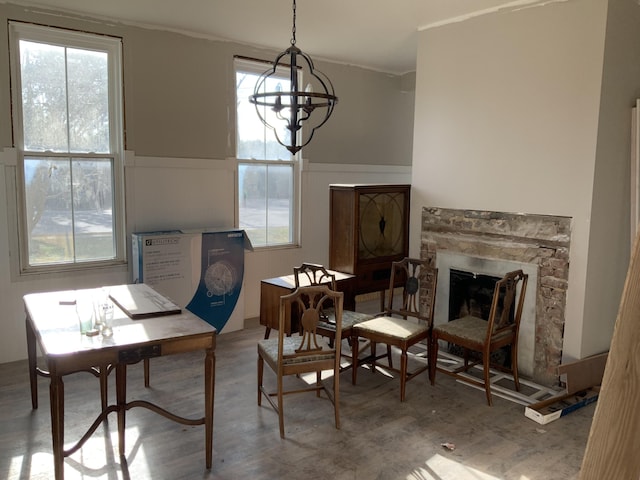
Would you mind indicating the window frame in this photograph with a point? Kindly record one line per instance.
(79, 40)
(258, 66)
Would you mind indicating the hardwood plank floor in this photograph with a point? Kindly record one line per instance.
(380, 437)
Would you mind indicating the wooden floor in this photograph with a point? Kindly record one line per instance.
(380, 437)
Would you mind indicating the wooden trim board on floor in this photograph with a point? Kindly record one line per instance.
(530, 392)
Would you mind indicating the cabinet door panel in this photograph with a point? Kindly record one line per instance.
(369, 228)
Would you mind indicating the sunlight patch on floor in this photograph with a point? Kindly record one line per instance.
(37, 466)
(440, 467)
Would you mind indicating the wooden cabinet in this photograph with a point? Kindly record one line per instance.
(368, 229)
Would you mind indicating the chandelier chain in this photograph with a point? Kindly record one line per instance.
(293, 29)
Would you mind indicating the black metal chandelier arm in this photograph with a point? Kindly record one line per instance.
(261, 99)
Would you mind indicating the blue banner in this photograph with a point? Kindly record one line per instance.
(222, 271)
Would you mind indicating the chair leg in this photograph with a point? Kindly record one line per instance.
(433, 359)
(260, 375)
(389, 356)
(403, 374)
(336, 397)
(374, 351)
(514, 365)
(486, 358)
(354, 359)
(318, 383)
(280, 405)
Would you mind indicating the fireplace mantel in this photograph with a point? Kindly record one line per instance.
(540, 241)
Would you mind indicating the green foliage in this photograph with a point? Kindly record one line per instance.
(64, 98)
(59, 248)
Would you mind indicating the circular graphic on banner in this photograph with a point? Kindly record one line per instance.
(220, 278)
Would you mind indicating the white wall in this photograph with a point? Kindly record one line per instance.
(524, 110)
(174, 193)
(506, 119)
(180, 131)
(610, 229)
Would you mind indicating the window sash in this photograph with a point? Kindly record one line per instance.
(114, 147)
(248, 124)
(260, 198)
(266, 195)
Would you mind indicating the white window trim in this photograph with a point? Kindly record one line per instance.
(59, 36)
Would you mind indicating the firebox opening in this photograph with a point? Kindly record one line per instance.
(472, 294)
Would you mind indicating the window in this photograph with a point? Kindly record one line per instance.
(67, 104)
(267, 172)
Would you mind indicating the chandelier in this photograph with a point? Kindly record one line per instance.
(285, 111)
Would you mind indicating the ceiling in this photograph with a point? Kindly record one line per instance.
(376, 34)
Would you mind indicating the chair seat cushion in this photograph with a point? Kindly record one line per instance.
(349, 319)
(467, 328)
(393, 327)
(268, 349)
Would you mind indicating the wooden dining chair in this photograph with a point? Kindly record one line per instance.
(485, 337)
(304, 352)
(402, 326)
(315, 274)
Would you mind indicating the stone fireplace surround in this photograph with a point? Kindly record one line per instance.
(541, 241)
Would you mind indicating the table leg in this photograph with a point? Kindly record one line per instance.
(349, 302)
(31, 353)
(56, 394)
(209, 386)
(104, 385)
(121, 394)
(146, 372)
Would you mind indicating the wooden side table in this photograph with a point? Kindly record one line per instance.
(271, 289)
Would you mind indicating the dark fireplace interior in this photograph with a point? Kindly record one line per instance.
(472, 294)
